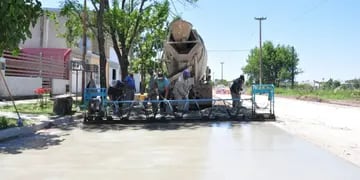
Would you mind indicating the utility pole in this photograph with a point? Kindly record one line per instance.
(83, 53)
(213, 75)
(260, 19)
(222, 63)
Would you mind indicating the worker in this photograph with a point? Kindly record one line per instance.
(116, 90)
(130, 86)
(182, 88)
(235, 89)
(91, 83)
(151, 89)
(162, 84)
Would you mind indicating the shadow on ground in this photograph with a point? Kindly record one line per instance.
(39, 141)
(99, 128)
(220, 116)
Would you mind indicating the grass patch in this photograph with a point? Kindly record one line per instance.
(320, 93)
(10, 122)
(33, 108)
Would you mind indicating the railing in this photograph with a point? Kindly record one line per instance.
(125, 107)
(28, 65)
(260, 89)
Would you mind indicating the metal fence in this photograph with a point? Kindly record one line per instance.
(30, 65)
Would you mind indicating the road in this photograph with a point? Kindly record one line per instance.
(335, 128)
(169, 151)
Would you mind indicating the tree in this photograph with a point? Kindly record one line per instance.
(280, 64)
(123, 22)
(75, 12)
(331, 84)
(150, 41)
(126, 22)
(16, 18)
(354, 83)
(100, 35)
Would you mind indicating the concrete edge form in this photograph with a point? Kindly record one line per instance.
(27, 130)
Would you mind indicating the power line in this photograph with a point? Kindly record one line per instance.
(174, 6)
(309, 10)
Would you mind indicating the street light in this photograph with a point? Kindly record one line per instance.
(213, 75)
(260, 58)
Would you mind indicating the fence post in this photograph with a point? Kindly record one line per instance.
(41, 65)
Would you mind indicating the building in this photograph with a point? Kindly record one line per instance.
(46, 43)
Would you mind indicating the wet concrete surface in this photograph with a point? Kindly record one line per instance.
(169, 151)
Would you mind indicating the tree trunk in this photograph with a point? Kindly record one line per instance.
(142, 87)
(119, 52)
(293, 64)
(292, 77)
(124, 63)
(62, 105)
(101, 43)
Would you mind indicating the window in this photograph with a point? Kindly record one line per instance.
(2, 66)
(113, 74)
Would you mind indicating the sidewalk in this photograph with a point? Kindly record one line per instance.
(38, 121)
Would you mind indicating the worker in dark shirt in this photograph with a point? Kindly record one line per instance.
(235, 89)
(130, 86)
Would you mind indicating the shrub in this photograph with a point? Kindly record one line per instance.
(7, 123)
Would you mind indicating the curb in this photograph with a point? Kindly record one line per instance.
(27, 130)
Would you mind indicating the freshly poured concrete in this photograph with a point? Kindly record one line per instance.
(175, 151)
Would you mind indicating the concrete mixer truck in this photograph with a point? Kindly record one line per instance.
(185, 49)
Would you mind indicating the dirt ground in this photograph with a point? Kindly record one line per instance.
(333, 127)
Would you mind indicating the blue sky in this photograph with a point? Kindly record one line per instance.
(325, 33)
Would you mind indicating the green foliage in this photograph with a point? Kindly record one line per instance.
(7, 122)
(10, 122)
(354, 83)
(150, 42)
(34, 108)
(331, 84)
(16, 18)
(222, 82)
(280, 64)
(73, 11)
(136, 27)
(320, 94)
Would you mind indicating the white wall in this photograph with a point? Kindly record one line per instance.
(113, 66)
(137, 78)
(59, 86)
(73, 82)
(113, 61)
(50, 33)
(20, 86)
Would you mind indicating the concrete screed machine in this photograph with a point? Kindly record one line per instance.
(183, 49)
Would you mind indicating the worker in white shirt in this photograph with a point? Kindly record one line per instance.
(181, 90)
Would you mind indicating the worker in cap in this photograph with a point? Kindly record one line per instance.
(181, 90)
(151, 90)
(162, 85)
